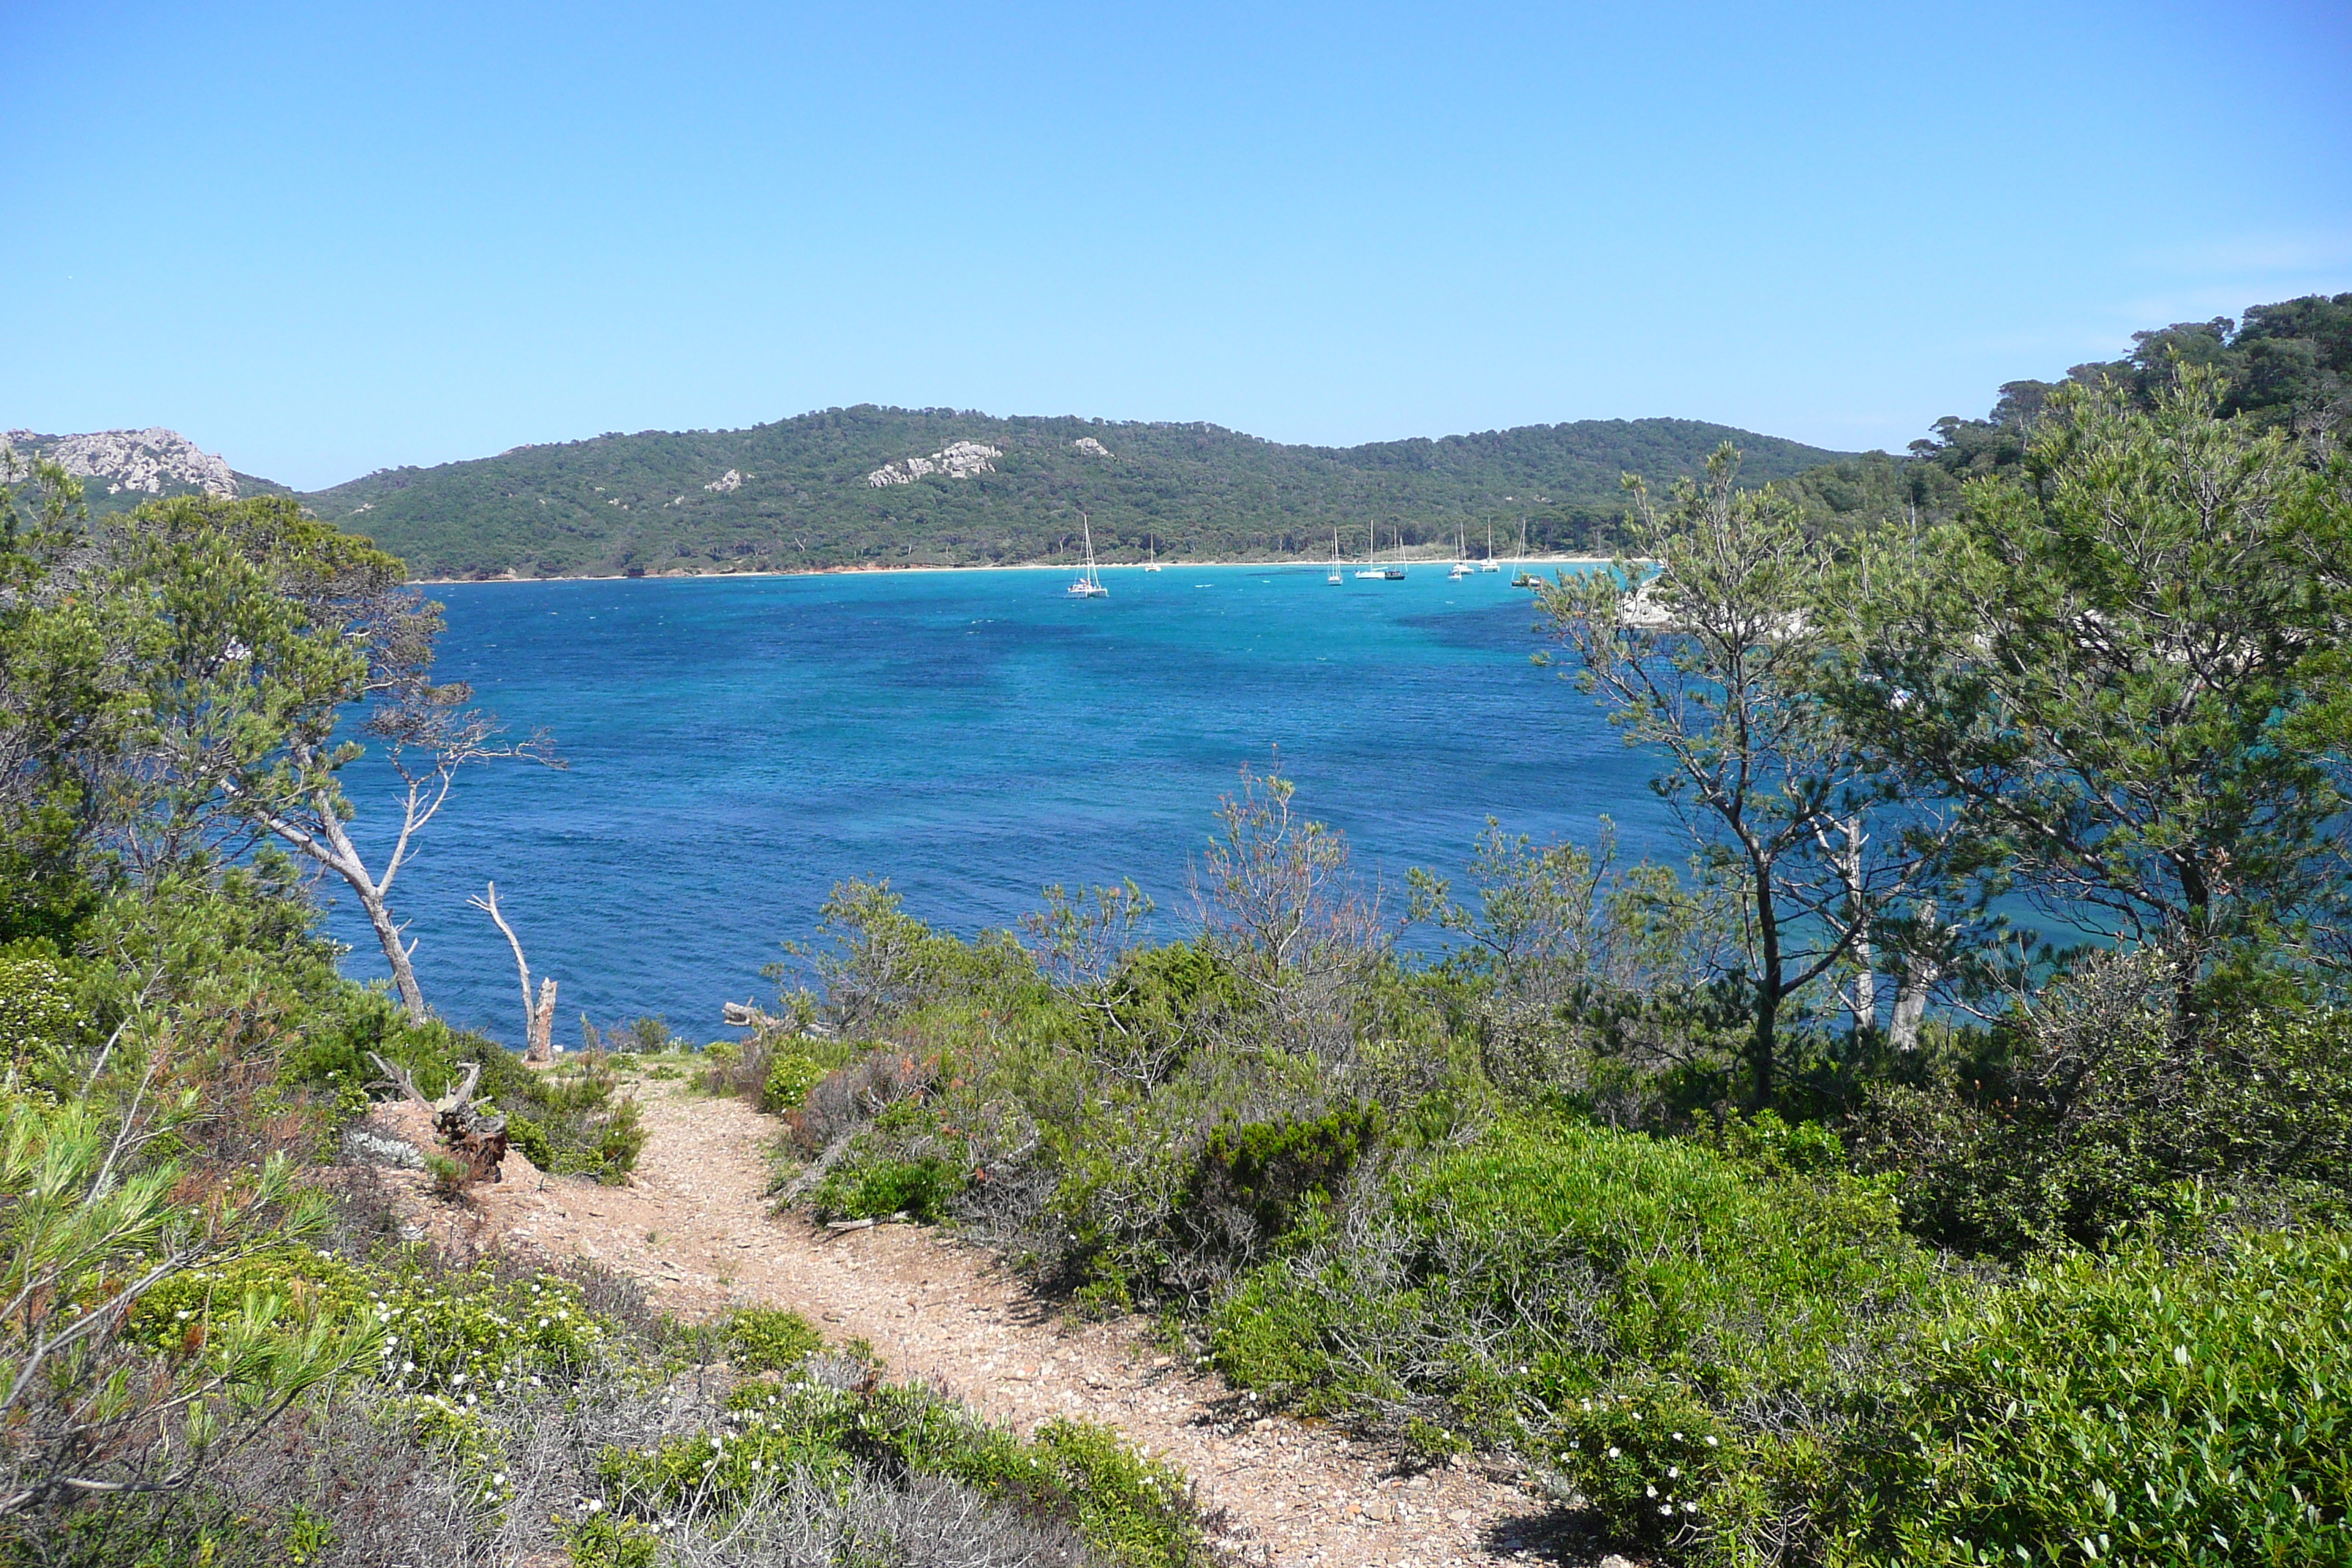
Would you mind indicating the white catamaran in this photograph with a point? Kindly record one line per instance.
(1334, 577)
(1371, 570)
(1089, 586)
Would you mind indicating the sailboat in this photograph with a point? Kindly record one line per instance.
(1089, 586)
(1395, 572)
(1488, 564)
(1461, 555)
(1151, 543)
(1371, 570)
(1334, 577)
(1524, 579)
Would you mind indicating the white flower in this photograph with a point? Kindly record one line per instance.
(596, 1505)
(1673, 1472)
(1668, 1510)
(1612, 1453)
(1649, 1491)
(1711, 1443)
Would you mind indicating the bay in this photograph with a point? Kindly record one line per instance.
(737, 745)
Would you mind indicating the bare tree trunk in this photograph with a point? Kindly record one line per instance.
(344, 860)
(1920, 973)
(541, 1048)
(538, 1018)
(1865, 980)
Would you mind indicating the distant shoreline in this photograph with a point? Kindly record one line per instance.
(1301, 562)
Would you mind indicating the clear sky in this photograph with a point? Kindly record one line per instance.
(321, 239)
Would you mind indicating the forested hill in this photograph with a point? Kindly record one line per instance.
(909, 487)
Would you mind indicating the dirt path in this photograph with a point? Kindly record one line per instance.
(694, 1228)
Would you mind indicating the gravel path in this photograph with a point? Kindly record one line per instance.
(694, 1228)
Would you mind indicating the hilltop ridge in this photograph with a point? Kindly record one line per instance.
(873, 486)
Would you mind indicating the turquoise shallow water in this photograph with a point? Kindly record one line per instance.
(736, 746)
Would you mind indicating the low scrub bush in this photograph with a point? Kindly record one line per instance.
(2129, 1408)
(763, 1339)
(790, 1075)
(2066, 1131)
(1254, 1180)
(1555, 1288)
(835, 1429)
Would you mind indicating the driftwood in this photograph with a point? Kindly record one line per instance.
(475, 1138)
(743, 1015)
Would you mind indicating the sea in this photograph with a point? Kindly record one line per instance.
(733, 747)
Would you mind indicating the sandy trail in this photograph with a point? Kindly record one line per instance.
(694, 1228)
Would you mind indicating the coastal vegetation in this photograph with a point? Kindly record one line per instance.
(227, 1339)
(1945, 1159)
(1945, 1163)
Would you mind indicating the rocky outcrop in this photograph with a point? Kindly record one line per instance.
(153, 460)
(729, 481)
(960, 461)
(1091, 447)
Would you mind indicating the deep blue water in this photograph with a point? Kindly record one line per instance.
(738, 745)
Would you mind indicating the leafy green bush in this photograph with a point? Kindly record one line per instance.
(2129, 1408)
(762, 1338)
(37, 1012)
(529, 1139)
(1556, 1287)
(790, 1075)
(876, 1187)
(1266, 1170)
(459, 1335)
(2066, 1135)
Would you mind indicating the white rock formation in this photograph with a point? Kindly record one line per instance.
(729, 481)
(959, 461)
(1091, 447)
(153, 460)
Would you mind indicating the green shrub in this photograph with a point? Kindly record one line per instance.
(1551, 1288)
(451, 1335)
(762, 1338)
(1254, 1178)
(603, 1542)
(1132, 1511)
(2128, 1408)
(530, 1139)
(2067, 1133)
(790, 1075)
(876, 1187)
(37, 1014)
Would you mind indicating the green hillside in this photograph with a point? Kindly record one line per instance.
(802, 496)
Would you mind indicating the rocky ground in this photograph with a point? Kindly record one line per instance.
(694, 1226)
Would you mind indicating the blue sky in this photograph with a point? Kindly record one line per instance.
(324, 239)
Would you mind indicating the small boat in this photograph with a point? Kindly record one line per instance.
(1524, 578)
(1152, 564)
(1490, 564)
(1334, 577)
(1461, 556)
(1090, 584)
(1371, 572)
(1395, 574)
